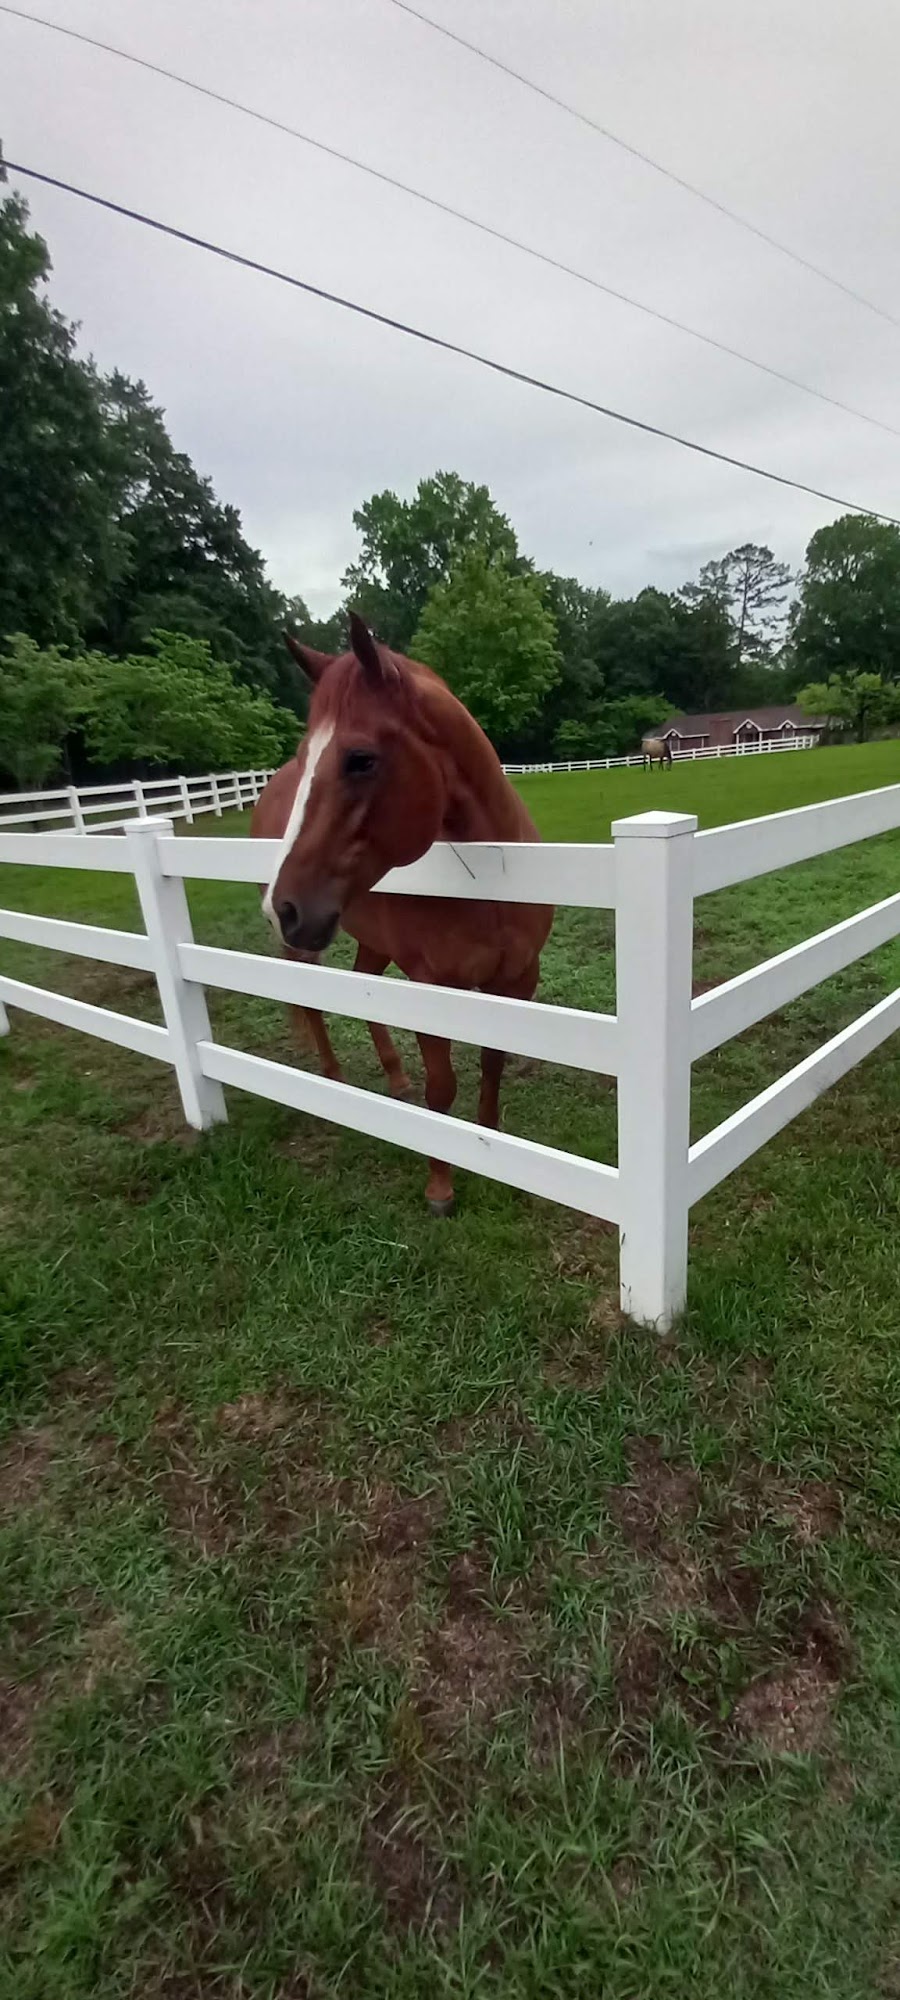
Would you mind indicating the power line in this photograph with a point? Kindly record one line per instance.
(647, 160)
(439, 341)
(459, 215)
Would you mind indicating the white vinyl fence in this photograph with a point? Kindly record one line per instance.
(97, 808)
(760, 747)
(650, 875)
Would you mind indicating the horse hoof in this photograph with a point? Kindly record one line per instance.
(405, 1096)
(443, 1208)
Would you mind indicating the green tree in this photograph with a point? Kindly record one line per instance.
(856, 701)
(179, 707)
(40, 690)
(613, 728)
(184, 564)
(409, 546)
(848, 617)
(751, 587)
(492, 638)
(655, 642)
(58, 539)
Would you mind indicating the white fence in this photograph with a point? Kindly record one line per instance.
(97, 808)
(650, 875)
(758, 748)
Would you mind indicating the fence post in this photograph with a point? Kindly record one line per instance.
(187, 808)
(4, 1020)
(217, 803)
(167, 918)
(75, 809)
(654, 952)
(139, 798)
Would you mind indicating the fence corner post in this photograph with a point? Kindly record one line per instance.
(75, 809)
(167, 918)
(4, 1021)
(654, 954)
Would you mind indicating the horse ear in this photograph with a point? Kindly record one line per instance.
(313, 663)
(366, 649)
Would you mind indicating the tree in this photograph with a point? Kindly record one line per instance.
(848, 617)
(409, 546)
(58, 541)
(656, 642)
(494, 641)
(184, 562)
(751, 588)
(39, 695)
(853, 701)
(179, 707)
(613, 729)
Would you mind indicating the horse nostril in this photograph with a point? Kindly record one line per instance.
(288, 917)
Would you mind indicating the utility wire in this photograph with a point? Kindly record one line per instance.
(647, 160)
(459, 215)
(439, 341)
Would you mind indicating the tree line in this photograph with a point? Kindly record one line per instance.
(140, 631)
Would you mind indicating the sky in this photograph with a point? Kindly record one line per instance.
(299, 412)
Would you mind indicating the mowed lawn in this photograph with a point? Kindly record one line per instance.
(382, 1617)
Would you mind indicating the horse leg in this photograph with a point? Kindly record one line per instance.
(310, 1019)
(440, 1094)
(493, 1060)
(399, 1083)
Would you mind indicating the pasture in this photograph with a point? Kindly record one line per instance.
(382, 1616)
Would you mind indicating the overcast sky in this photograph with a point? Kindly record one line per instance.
(299, 411)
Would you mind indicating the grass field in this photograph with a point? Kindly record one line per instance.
(382, 1617)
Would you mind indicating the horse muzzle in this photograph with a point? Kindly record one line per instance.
(306, 926)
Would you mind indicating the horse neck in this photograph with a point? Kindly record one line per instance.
(481, 802)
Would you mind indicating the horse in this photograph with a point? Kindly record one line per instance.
(656, 750)
(392, 762)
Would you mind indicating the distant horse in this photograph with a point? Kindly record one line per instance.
(391, 763)
(657, 750)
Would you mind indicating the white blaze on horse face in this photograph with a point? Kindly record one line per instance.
(318, 742)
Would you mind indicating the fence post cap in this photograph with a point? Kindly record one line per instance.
(150, 825)
(654, 825)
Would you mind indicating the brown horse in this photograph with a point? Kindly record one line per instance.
(656, 750)
(391, 763)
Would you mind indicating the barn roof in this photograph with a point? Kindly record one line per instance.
(767, 718)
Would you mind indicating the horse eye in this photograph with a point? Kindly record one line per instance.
(360, 763)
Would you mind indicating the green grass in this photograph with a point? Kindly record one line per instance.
(382, 1616)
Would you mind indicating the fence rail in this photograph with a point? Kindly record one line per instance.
(760, 748)
(227, 791)
(118, 805)
(650, 874)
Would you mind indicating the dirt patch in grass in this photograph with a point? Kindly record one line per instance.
(657, 1499)
(108, 985)
(479, 1659)
(25, 1460)
(30, 1837)
(814, 1510)
(788, 1710)
(790, 1707)
(411, 1877)
(162, 1122)
(257, 1418)
(582, 1246)
(21, 1703)
(203, 1502)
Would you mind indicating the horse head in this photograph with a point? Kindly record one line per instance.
(371, 786)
